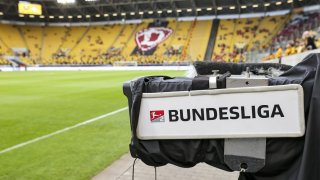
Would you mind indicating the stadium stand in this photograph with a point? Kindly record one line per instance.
(11, 36)
(3, 50)
(179, 39)
(223, 39)
(106, 44)
(49, 49)
(299, 34)
(200, 33)
(32, 37)
(130, 43)
(123, 37)
(238, 36)
(267, 28)
(71, 48)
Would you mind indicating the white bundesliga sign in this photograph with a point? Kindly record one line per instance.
(265, 111)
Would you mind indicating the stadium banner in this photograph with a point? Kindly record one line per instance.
(251, 112)
(29, 8)
(149, 38)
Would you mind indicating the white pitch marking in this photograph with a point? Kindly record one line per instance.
(62, 130)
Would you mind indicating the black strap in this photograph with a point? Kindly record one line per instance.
(134, 162)
(200, 83)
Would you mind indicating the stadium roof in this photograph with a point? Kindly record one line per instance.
(108, 10)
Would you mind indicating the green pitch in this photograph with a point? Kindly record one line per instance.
(34, 104)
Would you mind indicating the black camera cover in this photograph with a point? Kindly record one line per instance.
(286, 158)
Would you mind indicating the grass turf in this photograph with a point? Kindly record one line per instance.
(34, 104)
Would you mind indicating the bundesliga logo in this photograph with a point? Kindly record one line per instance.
(157, 116)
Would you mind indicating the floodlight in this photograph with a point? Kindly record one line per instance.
(66, 1)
